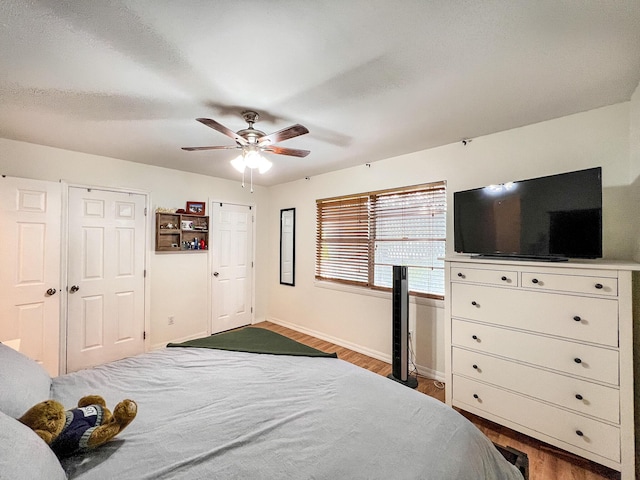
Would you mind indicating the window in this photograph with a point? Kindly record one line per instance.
(360, 237)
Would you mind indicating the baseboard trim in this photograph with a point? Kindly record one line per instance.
(422, 370)
(338, 341)
(158, 346)
(430, 373)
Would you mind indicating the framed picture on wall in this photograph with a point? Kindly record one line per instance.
(195, 208)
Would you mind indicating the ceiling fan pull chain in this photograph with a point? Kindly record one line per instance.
(251, 173)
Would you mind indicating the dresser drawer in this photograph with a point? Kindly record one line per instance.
(571, 283)
(577, 318)
(585, 361)
(462, 273)
(597, 437)
(568, 392)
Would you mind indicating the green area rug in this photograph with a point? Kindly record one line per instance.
(254, 340)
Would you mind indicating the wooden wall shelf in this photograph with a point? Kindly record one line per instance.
(182, 232)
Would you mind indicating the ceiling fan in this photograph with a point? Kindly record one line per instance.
(252, 143)
(251, 139)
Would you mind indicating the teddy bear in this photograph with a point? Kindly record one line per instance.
(88, 426)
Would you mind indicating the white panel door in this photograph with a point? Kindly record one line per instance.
(232, 265)
(105, 280)
(30, 268)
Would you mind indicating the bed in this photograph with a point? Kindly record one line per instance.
(216, 414)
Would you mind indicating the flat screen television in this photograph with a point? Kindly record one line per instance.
(548, 218)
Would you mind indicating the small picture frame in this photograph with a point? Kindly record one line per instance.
(195, 208)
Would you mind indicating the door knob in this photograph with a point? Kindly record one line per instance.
(74, 289)
(215, 274)
(51, 291)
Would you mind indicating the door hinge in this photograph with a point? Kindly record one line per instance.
(144, 335)
(145, 211)
(144, 273)
(251, 264)
(251, 309)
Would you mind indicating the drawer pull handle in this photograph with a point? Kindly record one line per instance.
(599, 286)
(577, 360)
(579, 433)
(475, 395)
(534, 280)
(474, 303)
(577, 318)
(475, 337)
(475, 367)
(504, 279)
(461, 275)
(578, 396)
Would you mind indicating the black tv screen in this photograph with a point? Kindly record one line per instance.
(553, 217)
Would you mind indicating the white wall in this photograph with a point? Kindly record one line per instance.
(179, 282)
(634, 155)
(634, 134)
(594, 138)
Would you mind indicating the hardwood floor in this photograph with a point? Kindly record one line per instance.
(545, 462)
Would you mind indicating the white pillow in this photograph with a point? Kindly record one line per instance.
(23, 383)
(25, 456)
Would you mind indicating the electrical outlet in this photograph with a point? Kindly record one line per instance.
(171, 320)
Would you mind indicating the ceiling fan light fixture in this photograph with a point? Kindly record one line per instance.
(252, 158)
(238, 163)
(264, 166)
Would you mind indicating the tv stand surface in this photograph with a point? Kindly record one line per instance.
(526, 258)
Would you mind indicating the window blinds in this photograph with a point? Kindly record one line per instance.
(360, 237)
(342, 239)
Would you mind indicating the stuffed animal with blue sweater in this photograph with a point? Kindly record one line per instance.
(88, 426)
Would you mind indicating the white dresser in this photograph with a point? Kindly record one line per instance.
(545, 349)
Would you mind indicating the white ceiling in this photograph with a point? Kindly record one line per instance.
(370, 79)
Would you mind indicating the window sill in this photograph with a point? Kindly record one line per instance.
(376, 293)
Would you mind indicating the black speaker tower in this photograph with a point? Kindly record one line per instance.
(400, 328)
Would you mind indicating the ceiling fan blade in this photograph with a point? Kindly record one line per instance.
(193, 149)
(222, 129)
(284, 134)
(293, 152)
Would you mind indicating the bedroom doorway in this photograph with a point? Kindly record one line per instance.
(231, 266)
(30, 273)
(105, 276)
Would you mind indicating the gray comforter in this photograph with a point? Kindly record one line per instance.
(212, 414)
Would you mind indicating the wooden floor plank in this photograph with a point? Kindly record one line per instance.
(545, 462)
